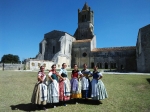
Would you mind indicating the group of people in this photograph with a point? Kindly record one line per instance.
(58, 88)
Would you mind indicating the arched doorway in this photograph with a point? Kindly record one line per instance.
(121, 67)
(97, 65)
(111, 65)
(92, 64)
(106, 65)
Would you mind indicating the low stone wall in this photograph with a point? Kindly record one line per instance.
(11, 66)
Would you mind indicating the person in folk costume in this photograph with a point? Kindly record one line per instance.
(85, 82)
(39, 95)
(53, 86)
(64, 85)
(76, 84)
(98, 88)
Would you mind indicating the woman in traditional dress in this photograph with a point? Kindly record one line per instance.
(64, 85)
(76, 84)
(98, 88)
(53, 86)
(39, 95)
(85, 82)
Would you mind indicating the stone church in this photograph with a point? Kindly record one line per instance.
(59, 47)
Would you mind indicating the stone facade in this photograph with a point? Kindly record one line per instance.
(84, 48)
(85, 28)
(34, 64)
(55, 48)
(59, 47)
(143, 49)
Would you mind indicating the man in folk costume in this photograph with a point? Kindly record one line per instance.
(85, 82)
(53, 86)
(39, 95)
(98, 88)
(76, 84)
(64, 85)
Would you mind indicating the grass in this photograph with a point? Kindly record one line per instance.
(126, 93)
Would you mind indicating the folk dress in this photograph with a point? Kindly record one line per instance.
(98, 88)
(53, 88)
(64, 86)
(86, 84)
(39, 95)
(76, 84)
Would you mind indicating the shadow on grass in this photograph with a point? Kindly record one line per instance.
(85, 101)
(148, 79)
(32, 107)
(24, 107)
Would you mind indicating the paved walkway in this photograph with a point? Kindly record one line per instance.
(127, 73)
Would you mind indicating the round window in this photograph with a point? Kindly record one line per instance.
(84, 55)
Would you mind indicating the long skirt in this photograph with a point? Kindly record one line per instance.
(75, 88)
(39, 95)
(64, 90)
(98, 90)
(86, 87)
(53, 92)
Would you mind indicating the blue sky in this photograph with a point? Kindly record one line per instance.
(23, 23)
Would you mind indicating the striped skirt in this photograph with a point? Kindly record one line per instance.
(53, 92)
(39, 95)
(64, 90)
(75, 88)
(98, 90)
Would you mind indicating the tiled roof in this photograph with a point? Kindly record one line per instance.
(114, 48)
(85, 40)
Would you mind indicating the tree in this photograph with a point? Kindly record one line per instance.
(9, 58)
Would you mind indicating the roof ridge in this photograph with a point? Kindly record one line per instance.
(113, 48)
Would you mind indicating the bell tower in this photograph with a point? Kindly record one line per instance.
(85, 28)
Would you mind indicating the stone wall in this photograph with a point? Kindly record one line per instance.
(143, 49)
(121, 58)
(34, 64)
(80, 52)
(11, 66)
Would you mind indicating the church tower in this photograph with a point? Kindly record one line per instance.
(85, 28)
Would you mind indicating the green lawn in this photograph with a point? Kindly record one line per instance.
(126, 93)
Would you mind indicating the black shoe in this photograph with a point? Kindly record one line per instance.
(65, 104)
(100, 102)
(38, 107)
(44, 108)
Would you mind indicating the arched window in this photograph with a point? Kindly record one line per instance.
(92, 64)
(83, 18)
(121, 67)
(53, 49)
(39, 64)
(106, 65)
(97, 65)
(69, 48)
(111, 65)
(33, 64)
(115, 65)
(100, 65)
(44, 64)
